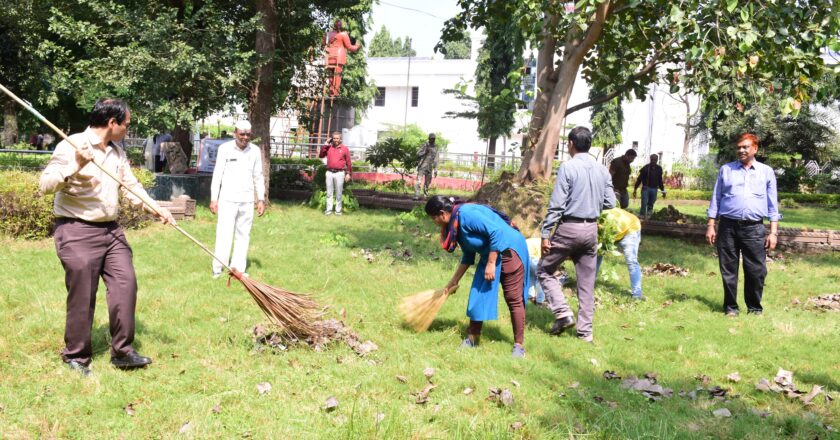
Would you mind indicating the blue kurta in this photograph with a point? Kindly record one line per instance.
(480, 231)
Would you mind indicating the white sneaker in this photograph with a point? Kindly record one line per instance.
(327, 212)
(216, 275)
(337, 213)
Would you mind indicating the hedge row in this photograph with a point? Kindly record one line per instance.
(819, 199)
(23, 160)
(26, 213)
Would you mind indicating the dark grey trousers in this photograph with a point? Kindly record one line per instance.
(89, 251)
(578, 241)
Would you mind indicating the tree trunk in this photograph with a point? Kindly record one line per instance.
(538, 164)
(491, 152)
(261, 102)
(182, 136)
(10, 128)
(687, 138)
(545, 87)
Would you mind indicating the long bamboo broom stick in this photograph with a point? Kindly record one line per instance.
(291, 311)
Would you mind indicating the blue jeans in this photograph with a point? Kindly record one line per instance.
(536, 292)
(629, 245)
(648, 199)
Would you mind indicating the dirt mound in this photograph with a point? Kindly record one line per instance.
(327, 332)
(526, 205)
(671, 214)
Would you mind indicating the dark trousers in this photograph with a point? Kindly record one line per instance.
(623, 198)
(512, 281)
(89, 251)
(734, 241)
(160, 164)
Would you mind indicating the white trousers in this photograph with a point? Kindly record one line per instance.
(234, 217)
(335, 186)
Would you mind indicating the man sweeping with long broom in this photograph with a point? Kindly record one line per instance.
(89, 242)
(293, 313)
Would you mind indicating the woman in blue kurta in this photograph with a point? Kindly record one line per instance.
(483, 231)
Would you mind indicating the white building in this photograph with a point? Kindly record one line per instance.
(414, 94)
(411, 91)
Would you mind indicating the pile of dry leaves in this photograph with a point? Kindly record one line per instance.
(783, 383)
(665, 269)
(646, 385)
(327, 332)
(829, 303)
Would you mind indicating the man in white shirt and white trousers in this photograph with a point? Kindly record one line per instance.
(237, 178)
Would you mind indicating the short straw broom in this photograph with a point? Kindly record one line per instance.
(419, 310)
(294, 313)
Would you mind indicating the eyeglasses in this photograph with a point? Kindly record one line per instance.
(245, 134)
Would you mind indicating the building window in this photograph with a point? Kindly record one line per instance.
(415, 96)
(379, 100)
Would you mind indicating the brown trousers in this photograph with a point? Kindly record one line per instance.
(88, 251)
(513, 277)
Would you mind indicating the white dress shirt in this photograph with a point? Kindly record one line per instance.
(238, 174)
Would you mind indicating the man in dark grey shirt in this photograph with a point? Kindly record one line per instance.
(582, 189)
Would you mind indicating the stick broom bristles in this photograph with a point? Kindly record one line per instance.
(420, 310)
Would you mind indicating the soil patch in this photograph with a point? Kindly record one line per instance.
(526, 205)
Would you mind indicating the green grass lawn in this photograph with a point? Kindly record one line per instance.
(811, 217)
(198, 332)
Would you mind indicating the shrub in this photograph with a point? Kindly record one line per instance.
(396, 153)
(18, 160)
(320, 178)
(319, 201)
(396, 186)
(790, 179)
(135, 156)
(288, 178)
(788, 202)
(295, 161)
(26, 213)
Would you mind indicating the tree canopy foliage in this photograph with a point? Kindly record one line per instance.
(607, 121)
(174, 61)
(383, 46)
(458, 49)
(728, 51)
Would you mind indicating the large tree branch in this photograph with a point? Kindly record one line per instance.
(596, 27)
(651, 64)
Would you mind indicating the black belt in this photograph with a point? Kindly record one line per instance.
(65, 220)
(570, 219)
(742, 222)
(335, 170)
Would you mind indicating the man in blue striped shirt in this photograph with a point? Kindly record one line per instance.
(744, 195)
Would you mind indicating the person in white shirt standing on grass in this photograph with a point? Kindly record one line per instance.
(237, 180)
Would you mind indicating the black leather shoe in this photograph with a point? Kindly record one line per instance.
(76, 366)
(131, 360)
(561, 325)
